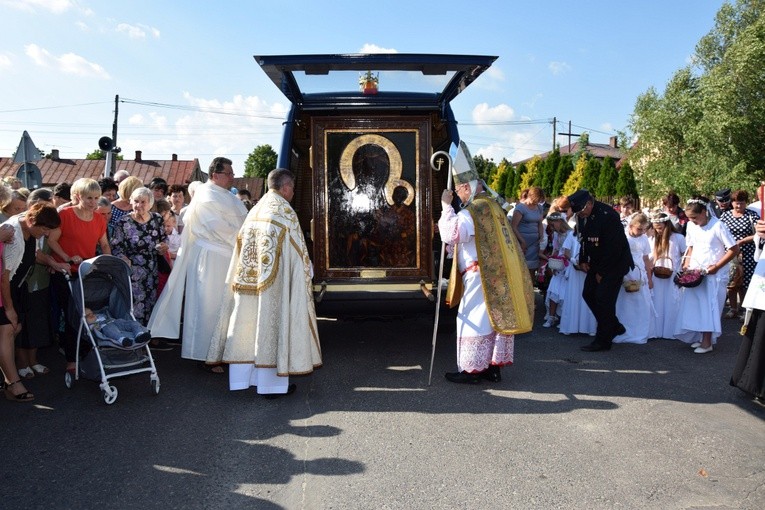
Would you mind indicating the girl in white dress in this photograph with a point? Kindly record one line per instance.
(667, 250)
(577, 316)
(635, 309)
(556, 290)
(710, 247)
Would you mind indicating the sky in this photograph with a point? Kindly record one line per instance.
(188, 84)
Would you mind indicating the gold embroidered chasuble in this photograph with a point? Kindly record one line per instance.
(267, 316)
(505, 279)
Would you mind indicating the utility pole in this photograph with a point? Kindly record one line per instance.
(555, 126)
(113, 168)
(570, 134)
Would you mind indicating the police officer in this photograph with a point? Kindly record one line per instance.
(605, 256)
(722, 202)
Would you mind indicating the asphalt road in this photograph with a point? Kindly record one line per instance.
(652, 426)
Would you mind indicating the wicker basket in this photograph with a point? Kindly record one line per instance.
(555, 264)
(633, 285)
(663, 272)
(689, 278)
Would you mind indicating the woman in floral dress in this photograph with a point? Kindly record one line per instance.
(741, 222)
(138, 238)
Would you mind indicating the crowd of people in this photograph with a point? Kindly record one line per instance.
(47, 233)
(211, 270)
(644, 274)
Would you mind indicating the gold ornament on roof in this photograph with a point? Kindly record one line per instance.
(368, 82)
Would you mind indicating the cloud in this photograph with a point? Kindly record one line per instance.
(137, 31)
(221, 127)
(373, 48)
(54, 6)
(5, 61)
(607, 126)
(558, 67)
(68, 63)
(484, 114)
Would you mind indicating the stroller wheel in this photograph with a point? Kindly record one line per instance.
(110, 395)
(69, 380)
(155, 387)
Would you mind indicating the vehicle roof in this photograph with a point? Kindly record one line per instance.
(287, 71)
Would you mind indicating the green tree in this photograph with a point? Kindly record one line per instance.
(607, 180)
(549, 169)
(99, 154)
(575, 180)
(529, 177)
(625, 183)
(704, 131)
(486, 167)
(516, 186)
(504, 173)
(260, 161)
(591, 175)
(565, 167)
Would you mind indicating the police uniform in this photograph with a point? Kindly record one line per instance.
(606, 250)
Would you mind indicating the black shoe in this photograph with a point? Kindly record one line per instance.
(492, 374)
(160, 345)
(620, 330)
(596, 346)
(142, 338)
(463, 377)
(271, 396)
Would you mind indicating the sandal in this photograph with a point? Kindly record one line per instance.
(26, 373)
(21, 397)
(40, 369)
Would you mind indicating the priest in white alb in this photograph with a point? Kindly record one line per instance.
(267, 323)
(211, 223)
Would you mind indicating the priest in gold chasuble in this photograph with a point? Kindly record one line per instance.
(498, 297)
(267, 323)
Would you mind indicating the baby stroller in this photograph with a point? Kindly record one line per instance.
(103, 285)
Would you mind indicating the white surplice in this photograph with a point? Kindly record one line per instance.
(211, 223)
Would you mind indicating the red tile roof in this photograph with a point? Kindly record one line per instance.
(55, 171)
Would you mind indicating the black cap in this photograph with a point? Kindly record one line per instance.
(579, 199)
(723, 195)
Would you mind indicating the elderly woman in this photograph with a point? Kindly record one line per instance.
(139, 238)
(741, 222)
(122, 206)
(527, 225)
(18, 261)
(82, 228)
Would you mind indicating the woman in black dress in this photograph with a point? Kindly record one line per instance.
(749, 372)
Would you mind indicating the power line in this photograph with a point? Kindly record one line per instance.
(53, 107)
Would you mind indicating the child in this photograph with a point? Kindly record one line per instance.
(557, 288)
(173, 237)
(635, 309)
(667, 252)
(122, 332)
(710, 247)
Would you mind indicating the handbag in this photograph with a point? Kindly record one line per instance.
(163, 266)
(455, 288)
(736, 274)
